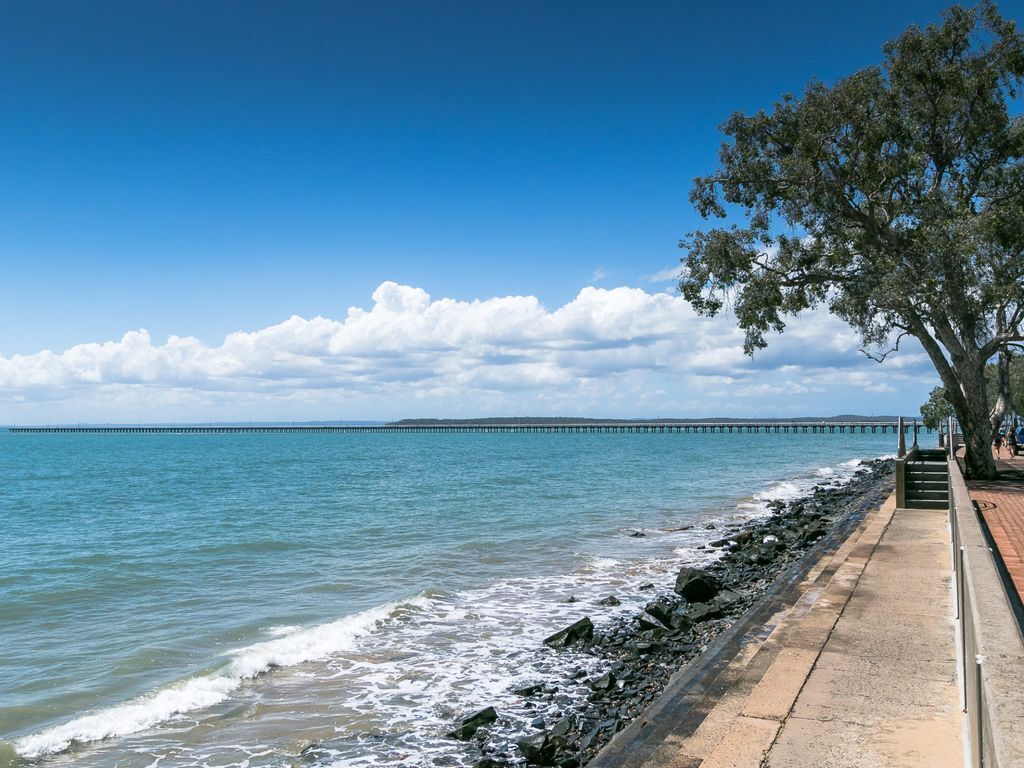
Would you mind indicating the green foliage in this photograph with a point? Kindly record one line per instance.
(937, 409)
(894, 196)
(1016, 384)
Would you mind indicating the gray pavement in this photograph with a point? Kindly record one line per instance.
(859, 671)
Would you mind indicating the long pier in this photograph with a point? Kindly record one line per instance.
(750, 427)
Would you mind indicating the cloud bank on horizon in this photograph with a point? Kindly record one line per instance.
(608, 352)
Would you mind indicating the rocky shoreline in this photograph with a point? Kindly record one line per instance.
(639, 653)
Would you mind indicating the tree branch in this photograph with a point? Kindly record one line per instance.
(895, 348)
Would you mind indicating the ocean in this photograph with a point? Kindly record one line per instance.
(231, 599)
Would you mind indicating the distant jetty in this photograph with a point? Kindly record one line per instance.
(832, 425)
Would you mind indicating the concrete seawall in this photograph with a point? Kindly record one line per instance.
(901, 648)
(857, 667)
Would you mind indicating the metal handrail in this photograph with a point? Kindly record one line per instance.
(992, 648)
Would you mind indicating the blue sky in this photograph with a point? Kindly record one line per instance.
(200, 169)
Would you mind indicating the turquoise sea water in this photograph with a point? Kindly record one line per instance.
(179, 600)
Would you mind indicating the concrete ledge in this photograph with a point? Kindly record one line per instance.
(702, 706)
(993, 649)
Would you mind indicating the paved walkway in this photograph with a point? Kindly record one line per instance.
(858, 672)
(1002, 505)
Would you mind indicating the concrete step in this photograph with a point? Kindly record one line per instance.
(926, 472)
(913, 496)
(917, 483)
(926, 504)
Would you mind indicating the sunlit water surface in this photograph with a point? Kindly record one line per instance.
(227, 600)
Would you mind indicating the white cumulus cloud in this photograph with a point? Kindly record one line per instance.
(410, 354)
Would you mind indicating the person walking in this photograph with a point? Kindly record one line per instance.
(1011, 442)
(997, 444)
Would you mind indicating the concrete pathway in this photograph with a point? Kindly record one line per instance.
(858, 672)
(883, 690)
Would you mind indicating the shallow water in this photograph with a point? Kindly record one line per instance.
(223, 600)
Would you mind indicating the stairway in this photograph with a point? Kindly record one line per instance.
(927, 480)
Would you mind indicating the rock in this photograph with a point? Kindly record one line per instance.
(528, 690)
(709, 527)
(610, 600)
(589, 737)
(562, 727)
(581, 631)
(648, 622)
(813, 532)
(696, 585)
(542, 748)
(645, 587)
(650, 635)
(471, 724)
(642, 647)
(573, 599)
(604, 683)
(680, 621)
(727, 597)
(661, 609)
(489, 762)
(698, 612)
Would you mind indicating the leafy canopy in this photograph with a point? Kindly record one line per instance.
(894, 196)
(937, 409)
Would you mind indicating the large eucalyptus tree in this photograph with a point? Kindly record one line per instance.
(895, 197)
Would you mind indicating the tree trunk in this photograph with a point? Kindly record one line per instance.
(1003, 395)
(963, 376)
(973, 415)
(978, 452)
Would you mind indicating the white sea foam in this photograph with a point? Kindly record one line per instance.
(396, 677)
(604, 563)
(280, 630)
(299, 646)
(798, 487)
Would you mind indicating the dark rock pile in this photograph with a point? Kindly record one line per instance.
(640, 653)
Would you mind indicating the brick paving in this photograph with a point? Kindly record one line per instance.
(1002, 506)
